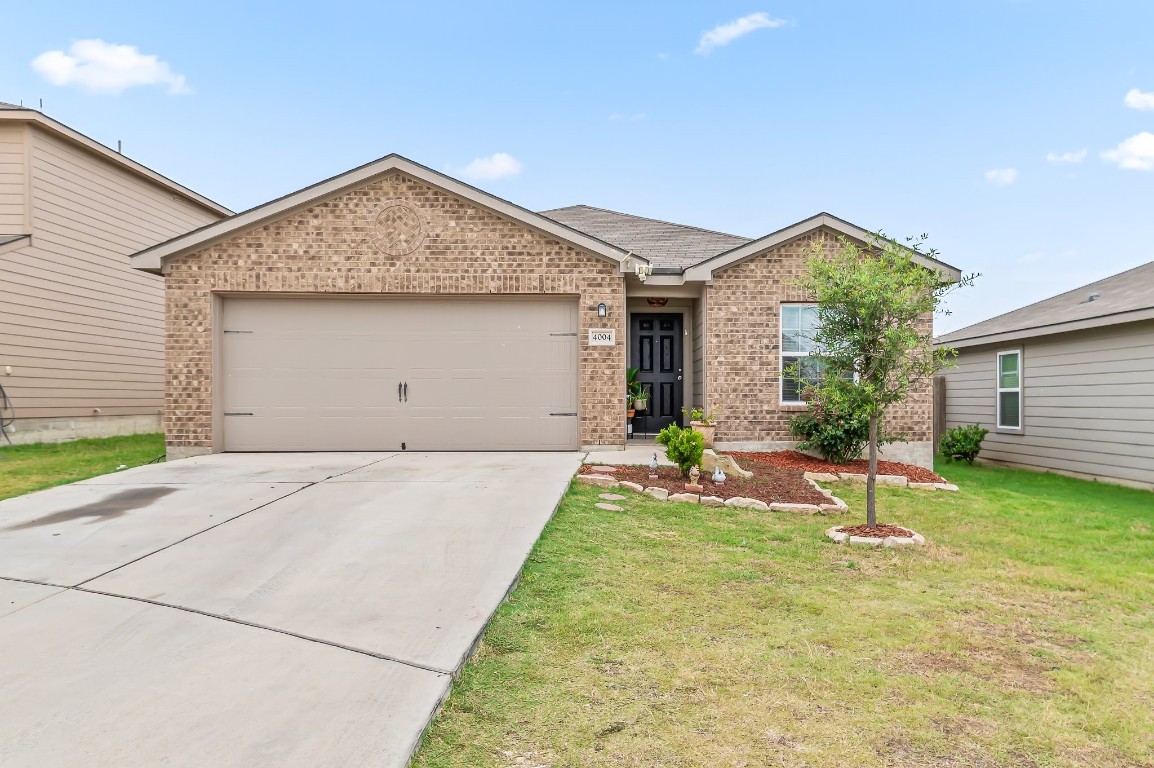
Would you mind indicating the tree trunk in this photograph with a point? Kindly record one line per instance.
(872, 477)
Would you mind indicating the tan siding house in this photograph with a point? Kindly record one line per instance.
(81, 332)
(1065, 385)
(395, 308)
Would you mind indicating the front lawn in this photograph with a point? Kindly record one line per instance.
(678, 635)
(27, 468)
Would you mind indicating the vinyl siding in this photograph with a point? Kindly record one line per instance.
(1087, 402)
(81, 329)
(13, 180)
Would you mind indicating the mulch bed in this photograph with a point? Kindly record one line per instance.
(877, 532)
(795, 460)
(768, 484)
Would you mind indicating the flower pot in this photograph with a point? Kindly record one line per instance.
(640, 404)
(630, 413)
(706, 431)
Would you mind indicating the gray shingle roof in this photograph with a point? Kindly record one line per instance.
(1130, 291)
(6, 105)
(663, 243)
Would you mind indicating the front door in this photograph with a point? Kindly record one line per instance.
(656, 351)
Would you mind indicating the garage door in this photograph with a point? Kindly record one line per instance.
(385, 374)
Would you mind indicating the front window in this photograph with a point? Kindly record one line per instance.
(798, 324)
(1010, 390)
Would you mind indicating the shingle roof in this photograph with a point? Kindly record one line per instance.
(663, 243)
(6, 105)
(1130, 291)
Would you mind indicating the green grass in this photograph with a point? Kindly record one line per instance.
(677, 635)
(27, 468)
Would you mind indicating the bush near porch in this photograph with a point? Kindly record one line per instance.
(672, 634)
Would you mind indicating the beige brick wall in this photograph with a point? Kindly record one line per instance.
(743, 365)
(328, 249)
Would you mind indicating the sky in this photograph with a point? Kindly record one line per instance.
(1017, 134)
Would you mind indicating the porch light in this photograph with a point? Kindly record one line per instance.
(602, 310)
(643, 271)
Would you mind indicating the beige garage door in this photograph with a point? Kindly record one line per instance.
(357, 374)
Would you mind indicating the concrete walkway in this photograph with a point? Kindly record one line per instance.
(256, 609)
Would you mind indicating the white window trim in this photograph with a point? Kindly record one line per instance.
(999, 390)
(781, 350)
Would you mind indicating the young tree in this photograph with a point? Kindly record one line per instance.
(873, 304)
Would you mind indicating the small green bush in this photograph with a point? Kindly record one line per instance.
(684, 447)
(836, 424)
(963, 442)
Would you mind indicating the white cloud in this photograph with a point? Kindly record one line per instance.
(623, 118)
(1136, 99)
(1003, 177)
(101, 67)
(495, 166)
(1135, 153)
(1066, 158)
(726, 33)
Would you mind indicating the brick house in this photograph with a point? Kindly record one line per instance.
(395, 308)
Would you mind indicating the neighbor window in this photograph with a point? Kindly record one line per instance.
(1010, 390)
(798, 324)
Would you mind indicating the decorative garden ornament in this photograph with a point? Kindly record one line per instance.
(718, 475)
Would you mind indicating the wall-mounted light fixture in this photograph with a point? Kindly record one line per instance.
(602, 310)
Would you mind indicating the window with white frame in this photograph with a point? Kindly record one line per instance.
(798, 324)
(1010, 390)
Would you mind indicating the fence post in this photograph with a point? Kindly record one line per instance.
(939, 409)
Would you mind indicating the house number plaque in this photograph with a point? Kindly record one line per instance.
(602, 337)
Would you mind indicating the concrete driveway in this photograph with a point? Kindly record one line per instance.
(256, 609)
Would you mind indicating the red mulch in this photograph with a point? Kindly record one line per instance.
(795, 460)
(877, 532)
(768, 484)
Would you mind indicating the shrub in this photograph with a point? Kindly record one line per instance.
(963, 442)
(684, 447)
(836, 424)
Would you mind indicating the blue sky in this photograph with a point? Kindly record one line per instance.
(911, 117)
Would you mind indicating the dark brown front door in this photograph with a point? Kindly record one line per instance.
(657, 346)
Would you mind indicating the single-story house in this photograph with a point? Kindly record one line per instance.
(395, 308)
(81, 332)
(1065, 385)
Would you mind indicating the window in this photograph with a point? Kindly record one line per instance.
(1010, 390)
(798, 323)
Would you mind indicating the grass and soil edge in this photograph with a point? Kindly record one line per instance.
(36, 466)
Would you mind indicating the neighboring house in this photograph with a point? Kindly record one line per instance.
(81, 332)
(395, 308)
(1065, 385)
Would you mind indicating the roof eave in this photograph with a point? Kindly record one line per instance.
(704, 270)
(1102, 321)
(78, 138)
(152, 259)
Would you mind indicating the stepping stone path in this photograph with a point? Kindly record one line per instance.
(609, 507)
(611, 496)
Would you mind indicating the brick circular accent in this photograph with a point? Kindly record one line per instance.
(397, 229)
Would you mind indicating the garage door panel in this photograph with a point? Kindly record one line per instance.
(321, 374)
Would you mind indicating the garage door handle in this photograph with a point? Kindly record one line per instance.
(398, 391)
(406, 391)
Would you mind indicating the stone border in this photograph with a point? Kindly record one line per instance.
(835, 505)
(898, 481)
(890, 541)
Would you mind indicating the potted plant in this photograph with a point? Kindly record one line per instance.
(640, 397)
(701, 422)
(635, 399)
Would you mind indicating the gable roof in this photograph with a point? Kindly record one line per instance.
(663, 243)
(704, 270)
(1122, 298)
(152, 259)
(13, 112)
